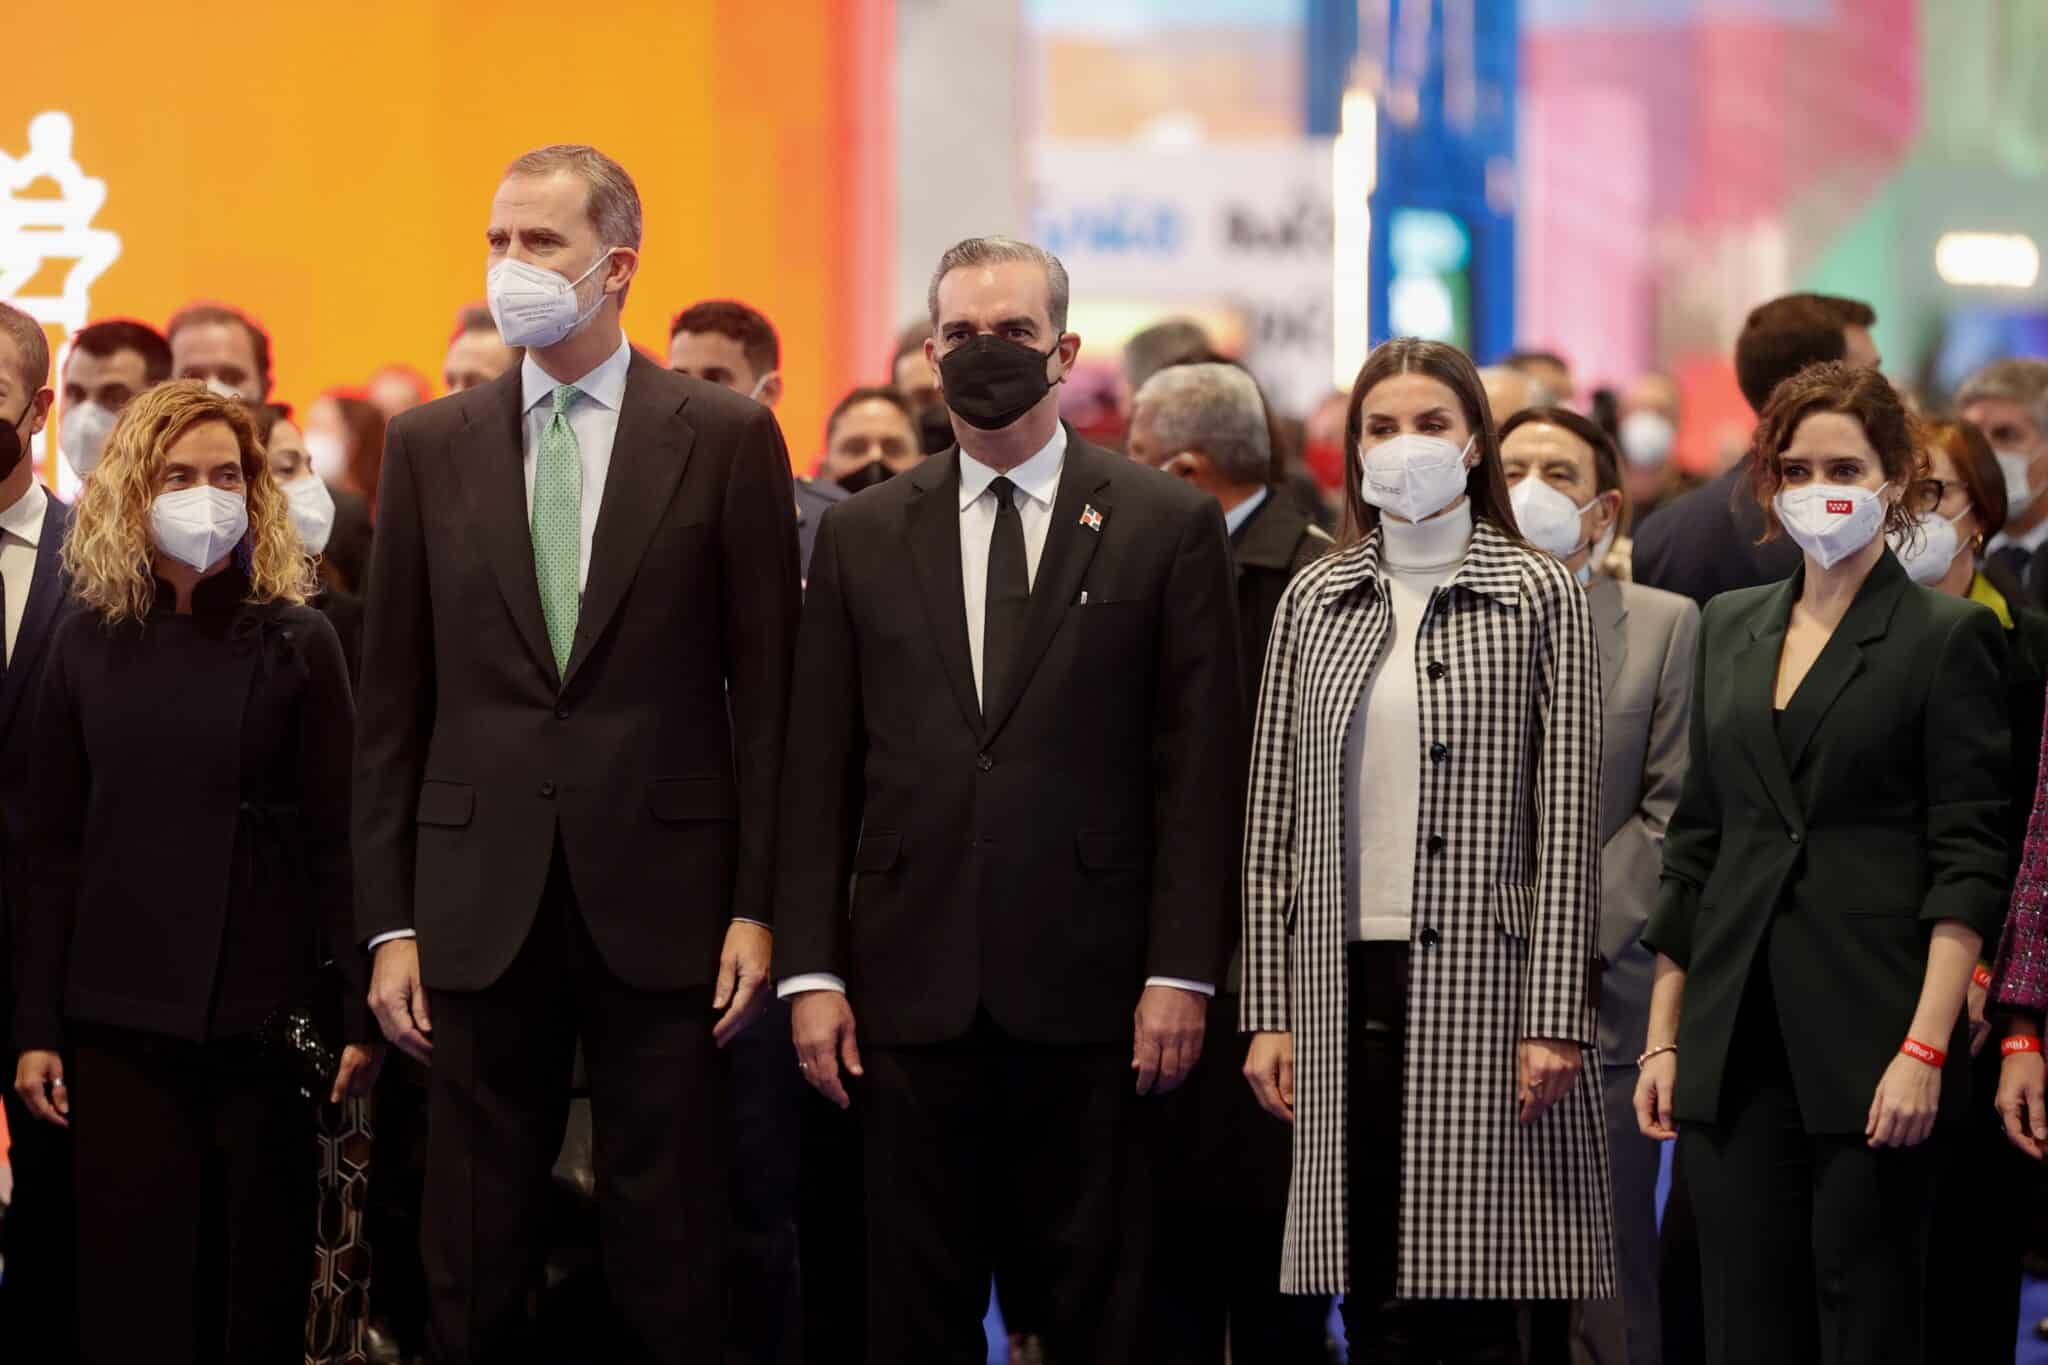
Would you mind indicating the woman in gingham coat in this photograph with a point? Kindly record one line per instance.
(1422, 892)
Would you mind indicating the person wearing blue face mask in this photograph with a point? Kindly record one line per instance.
(1421, 892)
(1566, 480)
(1837, 861)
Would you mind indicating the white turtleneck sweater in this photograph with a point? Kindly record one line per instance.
(1384, 748)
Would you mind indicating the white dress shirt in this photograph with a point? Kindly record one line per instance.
(21, 531)
(1038, 486)
(594, 417)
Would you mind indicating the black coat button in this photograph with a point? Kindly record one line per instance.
(1430, 938)
(984, 762)
(1792, 834)
(1435, 843)
(561, 713)
(547, 789)
(1439, 751)
(1437, 671)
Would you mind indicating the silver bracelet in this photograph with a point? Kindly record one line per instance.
(1656, 1052)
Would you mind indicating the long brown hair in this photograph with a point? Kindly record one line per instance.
(1486, 483)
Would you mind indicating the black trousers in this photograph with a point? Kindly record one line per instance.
(761, 1264)
(1222, 1174)
(497, 1107)
(1973, 1259)
(1813, 1247)
(1378, 1326)
(196, 1166)
(832, 1233)
(988, 1148)
(38, 1295)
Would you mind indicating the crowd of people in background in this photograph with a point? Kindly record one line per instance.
(524, 875)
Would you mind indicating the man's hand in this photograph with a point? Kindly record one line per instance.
(742, 979)
(1167, 1038)
(357, 1074)
(399, 1000)
(1269, 1066)
(1549, 1068)
(821, 1024)
(2020, 1101)
(39, 1080)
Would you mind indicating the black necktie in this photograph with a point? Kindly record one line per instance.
(1009, 593)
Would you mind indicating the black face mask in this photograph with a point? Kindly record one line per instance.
(12, 446)
(867, 476)
(991, 381)
(934, 430)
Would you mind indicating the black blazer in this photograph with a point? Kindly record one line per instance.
(1890, 817)
(19, 686)
(1043, 860)
(1705, 542)
(348, 544)
(654, 761)
(1277, 542)
(190, 865)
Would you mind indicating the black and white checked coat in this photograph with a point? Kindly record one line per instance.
(1507, 874)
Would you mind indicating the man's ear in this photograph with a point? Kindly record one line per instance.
(1191, 465)
(771, 390)
(1609, 505)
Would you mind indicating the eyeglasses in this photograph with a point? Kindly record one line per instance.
(1923, 496)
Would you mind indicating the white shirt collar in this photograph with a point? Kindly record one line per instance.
(604, 385)
(24, 520)
(1236, 517)
(1038, 478)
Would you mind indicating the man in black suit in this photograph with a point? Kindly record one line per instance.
(1705, 542)
(575, 685)
(36, 1315)
(1224, 1171)
(1019, 733)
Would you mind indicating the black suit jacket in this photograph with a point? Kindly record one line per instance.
(1705, 542)
(1277, 542)
(1890, 816)
(348, 544)
(46, 606)
(1043, 860)
(654, 759)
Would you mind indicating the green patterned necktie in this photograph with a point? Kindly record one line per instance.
(558, 525)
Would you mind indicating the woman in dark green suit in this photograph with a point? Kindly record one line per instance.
(1835, 864)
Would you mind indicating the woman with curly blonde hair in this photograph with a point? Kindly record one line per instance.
(191, 757)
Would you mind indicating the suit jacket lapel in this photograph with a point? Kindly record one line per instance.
(649, 454)
(498, 488)
(1756, 685)
(1069, 546)
(933, 525)
(1841, 659)
(38, 613)
(1610, 617)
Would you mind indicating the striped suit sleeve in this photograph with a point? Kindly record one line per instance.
(1557, 999)
(1270, 827)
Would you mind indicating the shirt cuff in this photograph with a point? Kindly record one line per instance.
(386, 938)
(1198, 987)
(809, 981)
(758, 924)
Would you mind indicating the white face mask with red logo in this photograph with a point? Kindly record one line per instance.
(1831, 521)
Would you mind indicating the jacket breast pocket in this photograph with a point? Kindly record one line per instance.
(1514, 909)
(449, 805)
(682, 800)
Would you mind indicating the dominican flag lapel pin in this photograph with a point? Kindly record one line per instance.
(1091, 518)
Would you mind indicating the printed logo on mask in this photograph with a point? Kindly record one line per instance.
(1840, 507)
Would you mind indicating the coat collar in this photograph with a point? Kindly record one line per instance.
(1270, 537)
(1493, 568)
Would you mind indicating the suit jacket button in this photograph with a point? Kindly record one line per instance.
(1437, 671)
(984, 762)
(1435, 844)
(547, 789)
(561, 713)
(1430, 938)
(1439, 751)
(1792, 834)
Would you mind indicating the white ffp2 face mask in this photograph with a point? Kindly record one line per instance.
(1548, 518)
(1928, 556)
(1413, 476)
(83, 437)
(198, 526)
(312, 510)
(1646, 439)
(2018, 490)
(534, 306)
(1830, 521)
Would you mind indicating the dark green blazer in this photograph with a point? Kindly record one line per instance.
(1889, 817)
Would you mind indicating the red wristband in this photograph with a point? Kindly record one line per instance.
(1981, 977)
(2019, 1042)
(1920, 1052)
